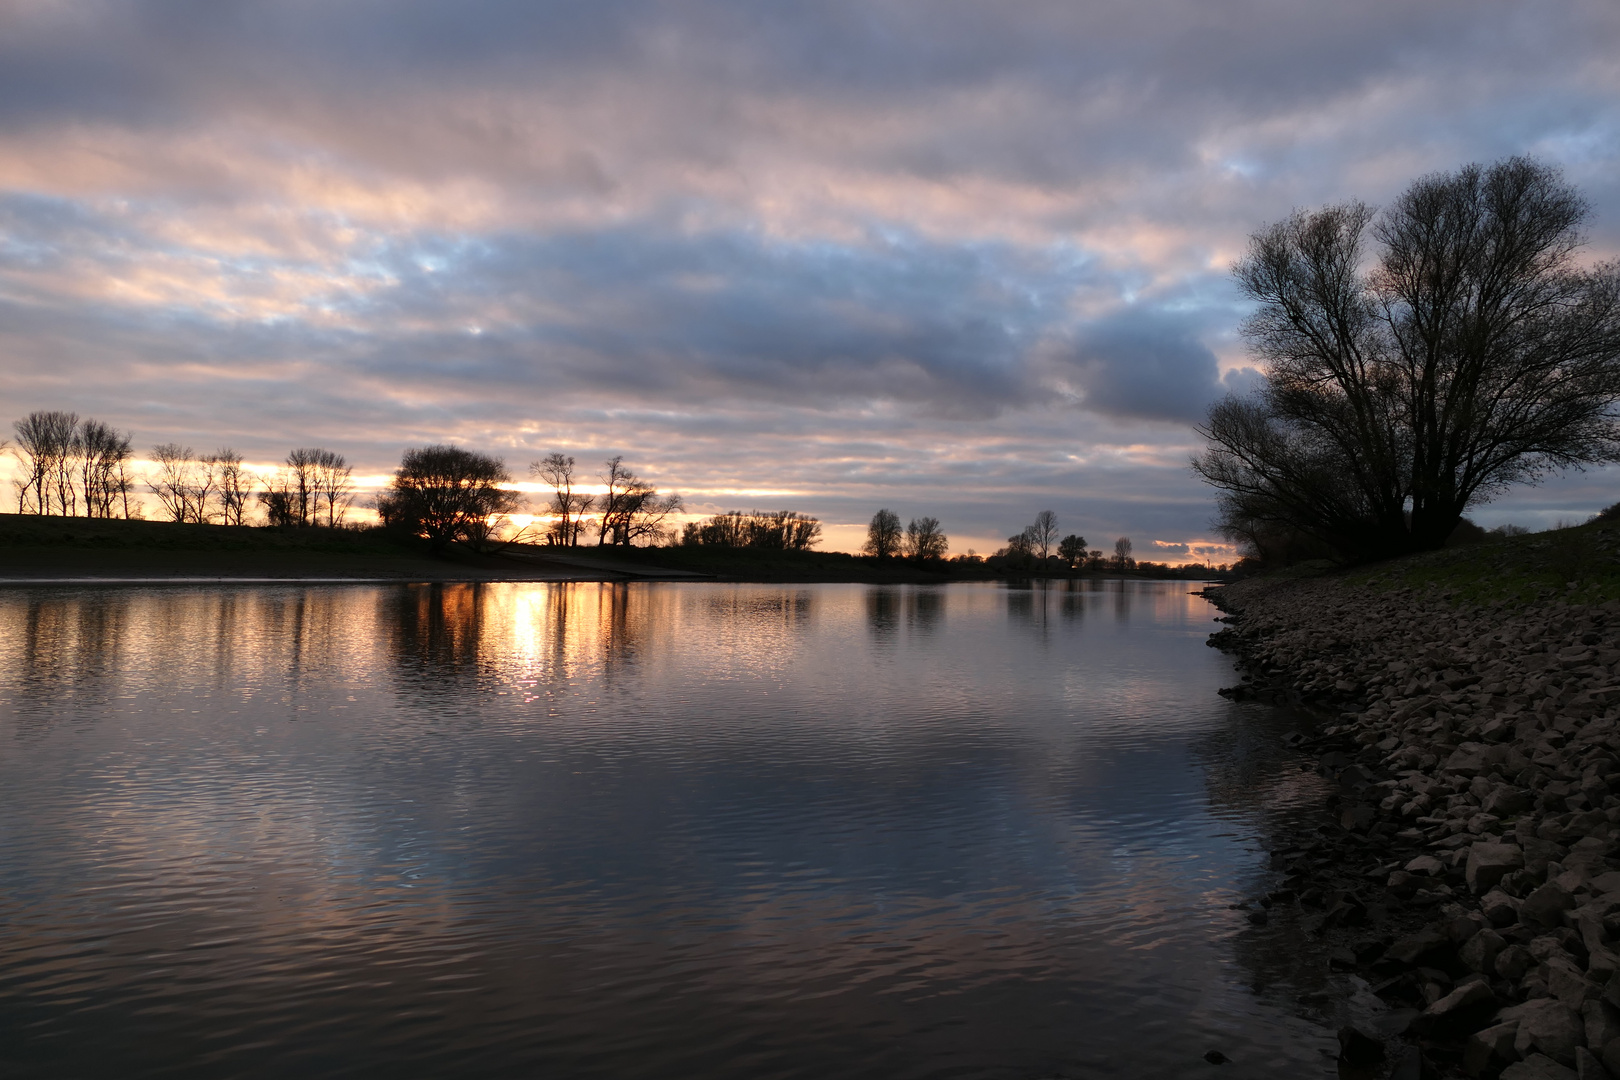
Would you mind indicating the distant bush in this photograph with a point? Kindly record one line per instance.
(781, 530)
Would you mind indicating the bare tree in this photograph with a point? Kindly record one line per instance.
(631, 508)
(299, 485)
(447, 494)
(924, 540)
(232, 482)
(1122, 554)
(568, 507)
(48, 442)
(331, 487)
(1475, 354)
(176, 484)
(1044, 533)
(104, 476)
(883, 534)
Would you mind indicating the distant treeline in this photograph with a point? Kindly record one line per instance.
(82, 468)
(452, 495)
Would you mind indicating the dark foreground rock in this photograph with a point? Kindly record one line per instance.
(1471, 872)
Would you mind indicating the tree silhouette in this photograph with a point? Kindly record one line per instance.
(1473, 354)
(883, 534)
(448, 495)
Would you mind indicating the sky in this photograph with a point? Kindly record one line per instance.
(969, 261)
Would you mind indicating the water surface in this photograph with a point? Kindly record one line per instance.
(642, 830)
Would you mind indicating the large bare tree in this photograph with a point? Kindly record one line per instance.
(48, 442)
(232, 482)
(1474, 353)
(631, 509)
(568, 507)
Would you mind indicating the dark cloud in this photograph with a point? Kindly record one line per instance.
(1146, 363)
(969, 254)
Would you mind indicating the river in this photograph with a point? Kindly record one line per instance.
(643, 830)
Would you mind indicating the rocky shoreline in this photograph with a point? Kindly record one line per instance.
(1471, 873)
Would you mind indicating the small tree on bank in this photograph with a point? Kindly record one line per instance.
(1072, 550)
(924, 539)
(1473, 355)
(448, 495)
(883, 534)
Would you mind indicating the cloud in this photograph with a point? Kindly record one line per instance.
(870, 251)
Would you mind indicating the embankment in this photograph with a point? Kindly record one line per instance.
(1472, 871)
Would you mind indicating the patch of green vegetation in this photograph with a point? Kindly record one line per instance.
(1579, 564)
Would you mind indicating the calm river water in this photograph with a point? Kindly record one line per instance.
(649, 830)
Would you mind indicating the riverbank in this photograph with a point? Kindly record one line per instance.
(61, 549)
(1470, 706)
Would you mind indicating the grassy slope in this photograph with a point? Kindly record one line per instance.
(1581, 563)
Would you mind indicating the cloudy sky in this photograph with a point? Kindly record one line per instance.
(967, 260)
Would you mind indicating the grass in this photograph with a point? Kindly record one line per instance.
(1580, 563)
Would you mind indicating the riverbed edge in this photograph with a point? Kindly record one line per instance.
(1471, 875)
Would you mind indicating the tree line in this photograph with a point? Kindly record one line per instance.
(448, 494)
(74, 467)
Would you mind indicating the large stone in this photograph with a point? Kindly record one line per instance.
(1471, 759)
(1479, 952)
(1505, 801)
(1546, 906)
(1500, 908)
(1426, 865)
(1410, 949)
(1513, 961)
(1538, 1067)
(1588, 1067)
(1547, 1025)
(1488, 863)
(1463, 1007)
(1602, 1022)
(1490, 1047)
(1568, 983)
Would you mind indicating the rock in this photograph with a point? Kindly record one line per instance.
(1568, 983)
(1359, 1050)
(1480, 951)
(1611, 1056)
(1490, 1047)
(1409, 950)
(1428, 866)
(1506, 801)
(1215, 1057)
(1547, 1025)
(1602, 1021)
(1488, 863)
(1588, 1067)
(1546, 906)
(1538, 1067)
(1462, 1008)
(1500, 908)
(1513, 961)
(1469, 759)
